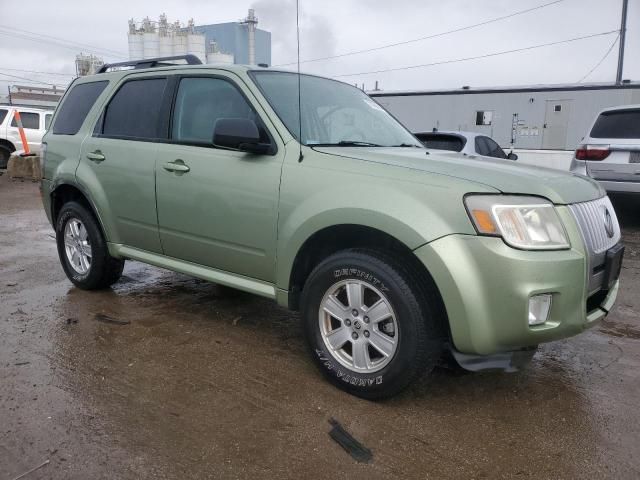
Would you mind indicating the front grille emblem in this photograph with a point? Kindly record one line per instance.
(608, 223)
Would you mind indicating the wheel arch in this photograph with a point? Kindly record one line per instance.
(67, 192)
(8, 144)
(335, 238)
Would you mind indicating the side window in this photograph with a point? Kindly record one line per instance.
(47, 120)
(3, 115)
(202, 101)
(76, 106)
(494, 149)
(481, 146)
(30, 120)
(134, 110)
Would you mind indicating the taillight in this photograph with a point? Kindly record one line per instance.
(592, 152)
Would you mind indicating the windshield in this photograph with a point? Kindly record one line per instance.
(333, 113)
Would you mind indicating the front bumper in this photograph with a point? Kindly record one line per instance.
(486, 286)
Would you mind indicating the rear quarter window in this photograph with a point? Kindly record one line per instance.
(76, 106)
(617, 124)
(3, 115)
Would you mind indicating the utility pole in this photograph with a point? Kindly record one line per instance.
(623, 32)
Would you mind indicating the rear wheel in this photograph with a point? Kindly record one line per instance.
(83, 250)
(5, 154)
(369, 326)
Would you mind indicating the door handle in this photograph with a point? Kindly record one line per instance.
(96, 156)
(178, 166)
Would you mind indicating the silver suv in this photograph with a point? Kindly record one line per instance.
(610, 152)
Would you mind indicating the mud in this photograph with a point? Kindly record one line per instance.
(169, 377)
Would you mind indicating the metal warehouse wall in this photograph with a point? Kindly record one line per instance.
(234, 38)
(422, 112)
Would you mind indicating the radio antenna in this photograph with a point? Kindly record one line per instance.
(300, 157)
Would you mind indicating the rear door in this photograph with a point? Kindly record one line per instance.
(222, 211)
(620, 130)
(118, 160)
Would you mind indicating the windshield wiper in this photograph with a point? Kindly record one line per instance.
(346, 143)
(407, 145)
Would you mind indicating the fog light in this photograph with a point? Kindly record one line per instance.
(539, 308)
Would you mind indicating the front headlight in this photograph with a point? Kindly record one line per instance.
(528, 223)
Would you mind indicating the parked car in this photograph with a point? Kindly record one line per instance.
(392, 256)
(35, 122)
(468, 143)
(610, 152)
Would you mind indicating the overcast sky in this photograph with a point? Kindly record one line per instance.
(334, 27)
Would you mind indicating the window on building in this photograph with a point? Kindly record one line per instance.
(484, 117)
(134, 110)
(76, 106)
(30, 120)
(201, 102)
(557, 108)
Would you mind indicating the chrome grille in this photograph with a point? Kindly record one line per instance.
(592, 219)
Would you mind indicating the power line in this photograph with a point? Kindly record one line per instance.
(35, 71)
(466, 59)
(29, 80)
(85, 45)
(429, 37)
(615, 40)
(59, 44)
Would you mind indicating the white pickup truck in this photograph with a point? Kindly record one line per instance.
(35, 122)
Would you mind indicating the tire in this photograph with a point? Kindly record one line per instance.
(415, 340)
(5, 154)
(83, 235)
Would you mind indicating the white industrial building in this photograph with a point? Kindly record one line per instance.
(149, 39)
(550, 117)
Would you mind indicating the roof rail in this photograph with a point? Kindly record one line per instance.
(151, 62)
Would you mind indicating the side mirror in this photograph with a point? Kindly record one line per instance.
(239, 134)
(512, 156)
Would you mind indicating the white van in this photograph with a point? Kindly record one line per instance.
(35, 122)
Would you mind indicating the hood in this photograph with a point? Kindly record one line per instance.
(507, 176)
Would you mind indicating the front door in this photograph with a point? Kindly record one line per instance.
(119, 163)
(218, 207)
(556, 122)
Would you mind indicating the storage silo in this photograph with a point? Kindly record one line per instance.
(136, 46)
(196, 46)
(166, 45)
(179, 43)
(151, 45)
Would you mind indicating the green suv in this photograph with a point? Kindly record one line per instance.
(394, 254)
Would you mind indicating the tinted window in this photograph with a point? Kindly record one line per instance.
(441, 141)
(3, 114)
(493, 148)
(202, 101)
(76, 106)
(29, 120)
(618, 124)
(481, 146)
(134, 110)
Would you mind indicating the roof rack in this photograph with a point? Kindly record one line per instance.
(151, 62)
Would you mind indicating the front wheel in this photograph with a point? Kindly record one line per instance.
(83, 249)
(370, 327)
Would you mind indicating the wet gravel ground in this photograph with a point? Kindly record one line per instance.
(166, 376)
